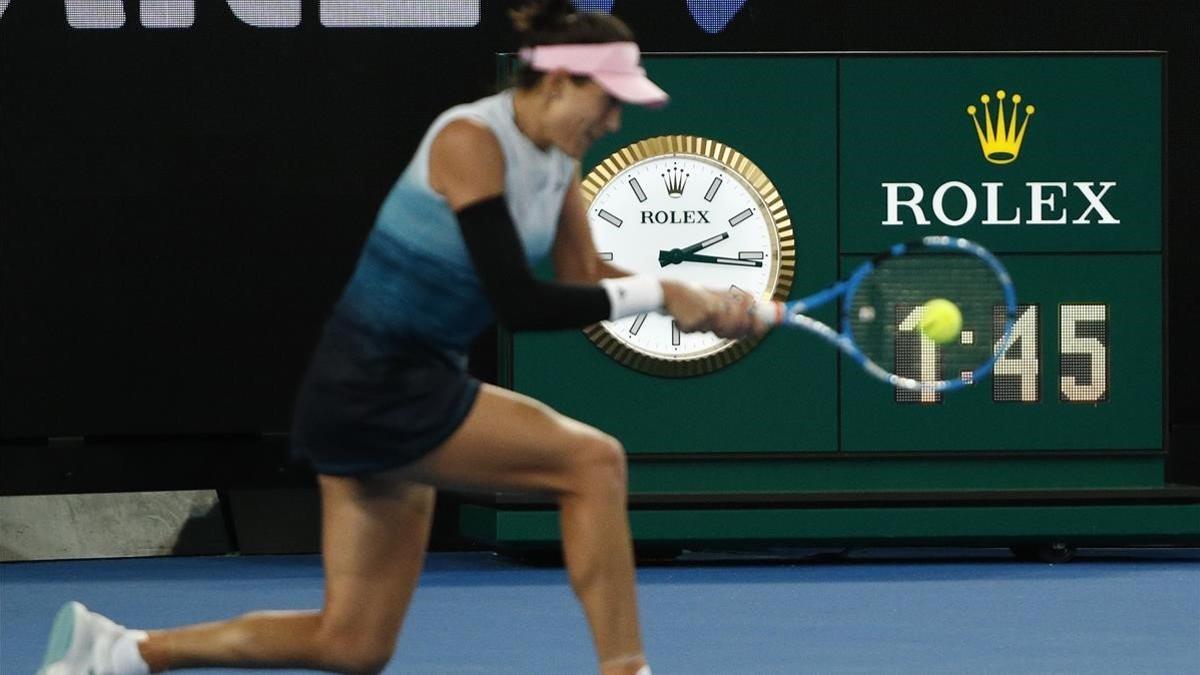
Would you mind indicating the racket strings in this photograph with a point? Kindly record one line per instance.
(887, 308)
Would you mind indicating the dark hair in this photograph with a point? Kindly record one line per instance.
(555, 22)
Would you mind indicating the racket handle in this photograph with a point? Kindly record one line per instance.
(771, 312)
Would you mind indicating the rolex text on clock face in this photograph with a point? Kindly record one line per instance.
(693, 218)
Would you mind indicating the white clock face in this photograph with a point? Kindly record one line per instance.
(690, 218)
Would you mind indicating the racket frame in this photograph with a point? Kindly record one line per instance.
(792, 313)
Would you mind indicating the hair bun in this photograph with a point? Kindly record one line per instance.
(541, 16)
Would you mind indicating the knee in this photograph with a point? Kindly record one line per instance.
(600, 465)
(355, 654)
(417, 500)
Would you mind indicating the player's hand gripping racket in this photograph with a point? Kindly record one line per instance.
(884, 306)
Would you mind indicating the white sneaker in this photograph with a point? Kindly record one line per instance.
(81, 643)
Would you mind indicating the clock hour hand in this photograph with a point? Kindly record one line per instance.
(716, 260)
(676, 255)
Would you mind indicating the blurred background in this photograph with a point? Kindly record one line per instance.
(184, 191)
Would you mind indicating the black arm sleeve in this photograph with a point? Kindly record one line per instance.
(521, 301)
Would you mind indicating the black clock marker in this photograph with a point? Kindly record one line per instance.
(712, 190)
(611, 218)
(733, 222)
(637, 323)
(637, 189)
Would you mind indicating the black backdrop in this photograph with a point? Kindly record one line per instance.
(180, 207)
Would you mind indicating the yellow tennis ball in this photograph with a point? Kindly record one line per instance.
(941, 321)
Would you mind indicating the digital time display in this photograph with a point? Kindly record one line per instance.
(1016, 376)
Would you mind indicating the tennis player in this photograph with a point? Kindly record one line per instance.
(387, 412)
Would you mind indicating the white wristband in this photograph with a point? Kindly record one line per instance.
(633, 295)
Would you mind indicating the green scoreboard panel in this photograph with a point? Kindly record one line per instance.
(1076, 215)
(1053, 162)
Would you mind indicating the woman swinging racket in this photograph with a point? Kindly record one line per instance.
(387, 412)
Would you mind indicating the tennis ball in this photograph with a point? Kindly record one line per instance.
(941, 321)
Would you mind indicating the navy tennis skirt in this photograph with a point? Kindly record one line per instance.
(369, 403)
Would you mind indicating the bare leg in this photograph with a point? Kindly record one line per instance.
(374, 534)
(376, 530)
(510, 441)
(599, 558)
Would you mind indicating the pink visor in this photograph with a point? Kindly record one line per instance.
(613, 65)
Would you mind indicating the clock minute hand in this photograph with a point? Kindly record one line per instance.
(676, 255)
(716, 260)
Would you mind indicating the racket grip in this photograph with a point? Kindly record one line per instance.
(771, 312)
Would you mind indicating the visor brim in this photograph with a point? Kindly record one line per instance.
(632, 88)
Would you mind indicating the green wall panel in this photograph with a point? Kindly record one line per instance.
(830, 132)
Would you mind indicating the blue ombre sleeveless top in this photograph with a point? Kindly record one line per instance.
(415, 280)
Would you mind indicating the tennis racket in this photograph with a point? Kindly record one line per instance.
(882, 302)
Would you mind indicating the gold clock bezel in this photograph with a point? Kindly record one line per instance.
(736, 164)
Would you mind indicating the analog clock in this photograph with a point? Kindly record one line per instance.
(694, 210)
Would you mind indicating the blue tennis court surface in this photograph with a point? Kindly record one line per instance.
(881, 611)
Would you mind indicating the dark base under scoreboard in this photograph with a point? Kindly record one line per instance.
(961, 506)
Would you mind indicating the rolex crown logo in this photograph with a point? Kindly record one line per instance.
(675, 180)
(1001, 141)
